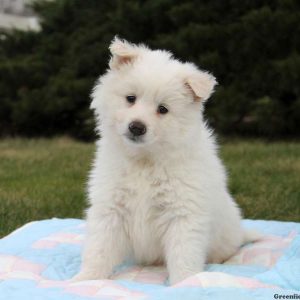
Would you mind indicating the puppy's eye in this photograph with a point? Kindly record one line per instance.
(131, 98)
(162, 109)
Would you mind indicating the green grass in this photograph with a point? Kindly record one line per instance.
(265, 178)
(46, 178)
(42, 179)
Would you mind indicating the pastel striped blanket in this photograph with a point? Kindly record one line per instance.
(37, 260)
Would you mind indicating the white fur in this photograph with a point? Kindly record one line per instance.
(165, 199)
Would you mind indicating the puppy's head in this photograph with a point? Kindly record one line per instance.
(148, 98)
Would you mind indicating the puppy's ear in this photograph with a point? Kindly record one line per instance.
(201, 84)
(122, 53)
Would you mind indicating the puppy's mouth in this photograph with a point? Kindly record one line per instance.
(134, 139)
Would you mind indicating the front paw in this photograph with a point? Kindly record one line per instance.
(87, 275)
(176, 277)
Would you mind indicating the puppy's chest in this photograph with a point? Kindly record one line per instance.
(143, 199)
(144, 195)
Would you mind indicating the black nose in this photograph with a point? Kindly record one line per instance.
(137, 128)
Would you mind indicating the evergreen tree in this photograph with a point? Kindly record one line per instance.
(252, 47)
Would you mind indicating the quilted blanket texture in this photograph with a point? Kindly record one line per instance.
(37, 260)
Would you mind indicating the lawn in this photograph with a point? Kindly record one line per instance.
(46, 178)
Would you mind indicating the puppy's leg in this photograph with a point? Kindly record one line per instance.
(186, 242)
(106, 246)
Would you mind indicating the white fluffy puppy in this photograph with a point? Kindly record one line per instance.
(157, 189)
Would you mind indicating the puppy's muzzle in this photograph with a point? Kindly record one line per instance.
(137, 128)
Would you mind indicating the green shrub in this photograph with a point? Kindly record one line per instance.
(251, 46)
